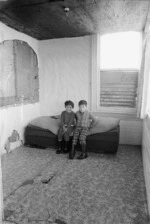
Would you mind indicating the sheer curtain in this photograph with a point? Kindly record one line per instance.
(141, 82)
(144, 79)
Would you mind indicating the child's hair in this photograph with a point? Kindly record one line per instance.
(82, 102)
(69, 103)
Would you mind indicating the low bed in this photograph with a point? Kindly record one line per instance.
(106, 141)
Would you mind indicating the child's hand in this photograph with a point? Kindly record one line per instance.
(64, 128)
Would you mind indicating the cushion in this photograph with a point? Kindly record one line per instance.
(104, 124)
(47, 122)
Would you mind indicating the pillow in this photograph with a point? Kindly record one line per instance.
(47, 122)
(104, 124)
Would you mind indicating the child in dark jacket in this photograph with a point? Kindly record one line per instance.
(66, 127)
(84, 121)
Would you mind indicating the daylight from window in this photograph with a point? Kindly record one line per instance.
(120, 50)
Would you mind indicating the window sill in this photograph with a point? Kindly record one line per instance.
(117, 114)
(117, 110)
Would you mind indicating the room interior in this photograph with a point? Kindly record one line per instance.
(64, 38)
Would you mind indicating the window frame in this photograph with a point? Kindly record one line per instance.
(95, 83)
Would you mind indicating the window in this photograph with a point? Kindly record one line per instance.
(120, 51)
(19, 82)
(120, 56)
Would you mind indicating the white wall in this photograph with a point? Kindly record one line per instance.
(16, 117)
(64, 72)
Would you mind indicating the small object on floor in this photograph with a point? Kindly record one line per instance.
(58, 221)
(46, 181)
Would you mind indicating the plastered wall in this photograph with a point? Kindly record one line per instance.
(16, 117)
(64, 72)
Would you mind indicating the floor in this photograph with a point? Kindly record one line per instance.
(41, 187)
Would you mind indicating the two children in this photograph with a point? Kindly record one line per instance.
(84, 120)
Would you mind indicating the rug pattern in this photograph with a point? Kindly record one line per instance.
(103, 189)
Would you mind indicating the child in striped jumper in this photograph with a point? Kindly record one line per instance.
(84, 121)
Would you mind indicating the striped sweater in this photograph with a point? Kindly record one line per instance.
(85, 119)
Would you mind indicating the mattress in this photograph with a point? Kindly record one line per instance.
(35, 136)
(100, 142)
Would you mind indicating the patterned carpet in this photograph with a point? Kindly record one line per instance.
(41, 187)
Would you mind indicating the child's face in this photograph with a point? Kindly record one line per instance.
(68, 108)
(82, 108)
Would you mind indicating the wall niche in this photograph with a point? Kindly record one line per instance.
(19, 78)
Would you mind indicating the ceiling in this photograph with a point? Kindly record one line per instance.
(47, 19)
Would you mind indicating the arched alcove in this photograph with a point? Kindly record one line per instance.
(19, 79)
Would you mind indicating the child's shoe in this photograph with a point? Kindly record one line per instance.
(66, 149)
(59, 150)
(84, 154)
